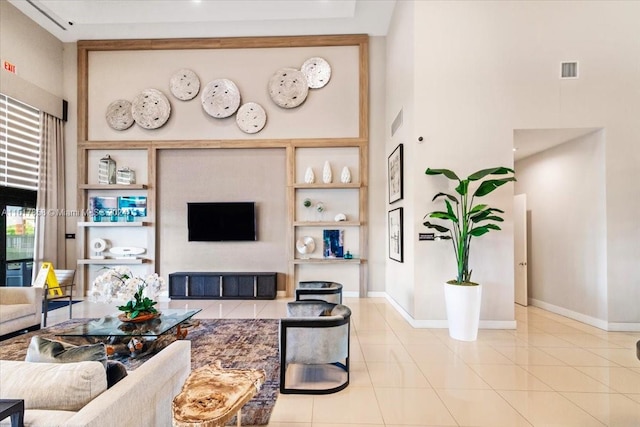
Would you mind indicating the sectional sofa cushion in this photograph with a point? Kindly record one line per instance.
(59, 386)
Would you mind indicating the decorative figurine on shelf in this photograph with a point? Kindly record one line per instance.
(107, 170)
(320, 209)
(327, 176)
(348, 255)
(309, 176)
(345, 177)
(125, 176)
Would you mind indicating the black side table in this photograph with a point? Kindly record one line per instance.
(13, 408)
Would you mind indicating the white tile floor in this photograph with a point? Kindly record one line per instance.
(551, 371)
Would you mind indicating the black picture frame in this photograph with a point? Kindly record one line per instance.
(396, 174)
(396, 235)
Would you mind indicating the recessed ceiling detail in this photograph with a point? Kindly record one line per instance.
(128, 19)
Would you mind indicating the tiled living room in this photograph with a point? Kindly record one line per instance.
(551, 370)
(333, 174)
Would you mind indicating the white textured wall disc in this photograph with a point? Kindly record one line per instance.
(251, 117)
(220, 98)
(184, 84)
(317, 71)
(150, 109)
(119, 115)
(288, 87)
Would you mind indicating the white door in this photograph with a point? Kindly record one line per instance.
(520, 248)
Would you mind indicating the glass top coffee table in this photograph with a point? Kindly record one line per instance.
(110, 326)
(130, 338)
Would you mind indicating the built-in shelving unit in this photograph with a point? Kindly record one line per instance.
(352, 197)
(139, 233)
(113, 224)
(113, 261)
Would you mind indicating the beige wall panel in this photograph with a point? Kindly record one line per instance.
(329, 112)
(222, 175)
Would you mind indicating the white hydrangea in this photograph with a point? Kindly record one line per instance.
(119, 283)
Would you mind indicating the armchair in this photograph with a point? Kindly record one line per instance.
(314, 348)
(20, 309)
(318, 290)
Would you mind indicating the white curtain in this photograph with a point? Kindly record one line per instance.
(50, 202)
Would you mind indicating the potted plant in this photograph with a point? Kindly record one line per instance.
(466, 221)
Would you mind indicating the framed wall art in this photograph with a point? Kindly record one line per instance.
(395, 235)
(395, 175)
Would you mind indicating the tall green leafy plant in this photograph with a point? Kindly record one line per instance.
(466, 219)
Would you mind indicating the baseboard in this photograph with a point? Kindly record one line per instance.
(592, 321)
(281, 294)
(441, 324)
(624, 327)
(351, 294)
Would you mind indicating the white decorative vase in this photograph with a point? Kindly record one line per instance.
(309, 177)
(463, 310)
(326, 173)
(345, 177)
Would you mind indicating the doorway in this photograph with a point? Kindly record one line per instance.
(521, 291)
(17, 235)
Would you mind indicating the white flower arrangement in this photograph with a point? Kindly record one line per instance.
(119, 283)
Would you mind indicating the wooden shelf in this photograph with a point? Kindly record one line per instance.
(327, 224)
(332, 186)
(113, 186)
(113, 224)
(110, 261)
(327, 261)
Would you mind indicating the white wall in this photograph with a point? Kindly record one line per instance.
(36, 54)
(378, 136)
(400, 285)
(566, 202)
(483, 69)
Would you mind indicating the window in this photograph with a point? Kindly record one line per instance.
(19, 167)
(19, 144)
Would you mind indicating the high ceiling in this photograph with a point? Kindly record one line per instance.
(72, 20)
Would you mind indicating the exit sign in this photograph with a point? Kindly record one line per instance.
(9, 67)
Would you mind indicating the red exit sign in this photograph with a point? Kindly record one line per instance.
(9, 67)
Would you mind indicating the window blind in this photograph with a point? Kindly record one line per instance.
(19, 144)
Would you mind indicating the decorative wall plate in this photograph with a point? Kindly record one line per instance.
(317, 71)
(288, 87)
(119, 115)
(150, 109)
(184, 84)
(220, 98)
(306, 245)
(251, 117)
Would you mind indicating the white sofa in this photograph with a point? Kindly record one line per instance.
(142, 399)
(20, 308)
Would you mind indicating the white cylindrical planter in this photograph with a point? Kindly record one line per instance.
(463, 311)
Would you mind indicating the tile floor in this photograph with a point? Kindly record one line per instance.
(550, 371)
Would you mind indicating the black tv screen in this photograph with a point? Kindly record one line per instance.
(221, 221)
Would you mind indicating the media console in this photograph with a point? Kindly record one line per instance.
(227, 285)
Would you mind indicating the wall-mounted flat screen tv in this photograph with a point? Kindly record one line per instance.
(221, 221)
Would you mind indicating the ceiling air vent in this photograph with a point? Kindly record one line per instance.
(569, 70)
